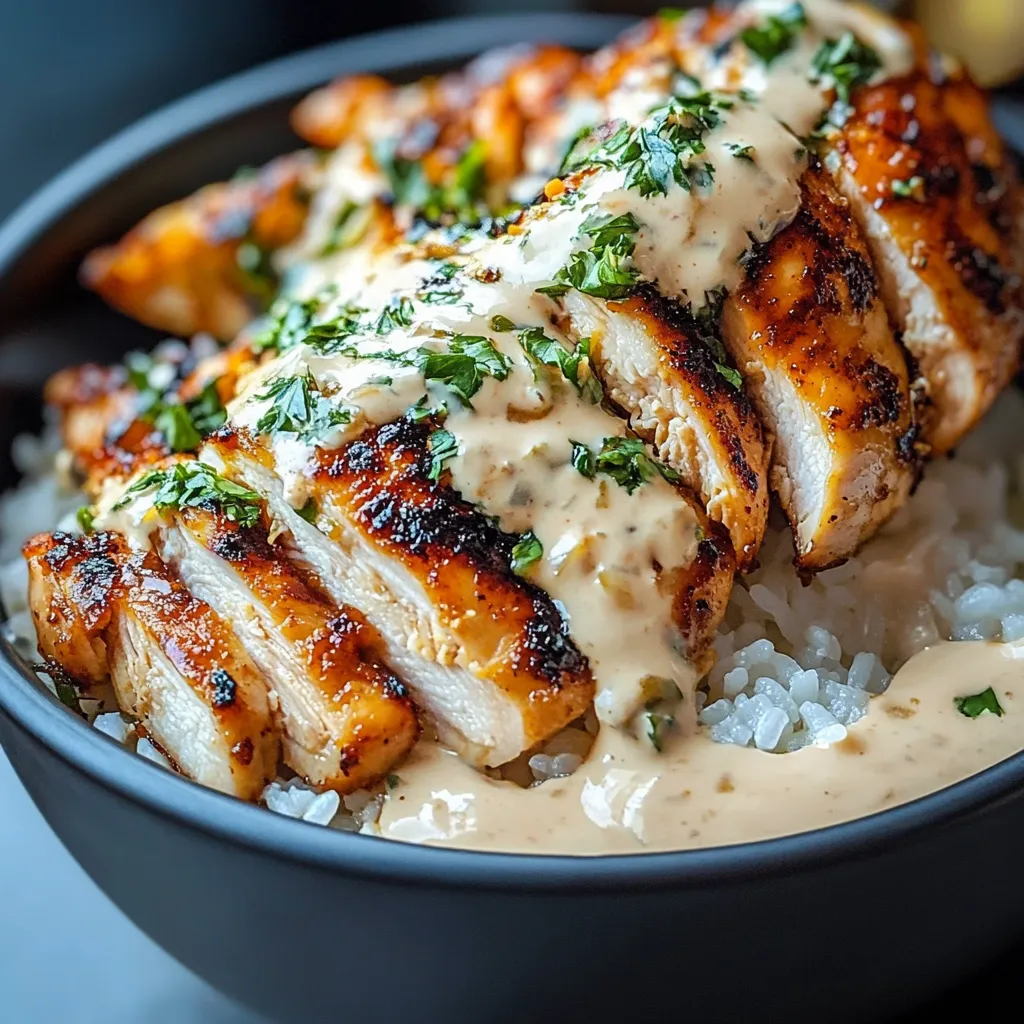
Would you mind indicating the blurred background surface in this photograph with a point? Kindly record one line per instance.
(72, 73)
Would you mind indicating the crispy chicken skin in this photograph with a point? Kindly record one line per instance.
(485, 653)
(656, 368)
(103, 612)
(813, 343)
(948, 254)
(345, 719)
(182, 268)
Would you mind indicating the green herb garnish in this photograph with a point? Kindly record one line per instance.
(582, 459)
(657, 726)
(399, 312)
(527, 552)
(624, 459)
(308, 511)
(605, 269)
(910, 188)
(500, 324)
(741, 152)
(661, 151)
(196, 485)
(978, 703)
(776, 34)
(86, 518)
(442, 445)
(549, 352)
(440, 288)
(348, 228)
(844, 63)
(462, 368)
(297, 407)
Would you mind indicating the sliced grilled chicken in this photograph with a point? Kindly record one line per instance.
(201, 264)
(940, 211)
(485, 654)
(814, 345)
(103, 612)
(345, 718)
(655, 366)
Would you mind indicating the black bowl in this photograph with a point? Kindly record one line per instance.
(851, 922)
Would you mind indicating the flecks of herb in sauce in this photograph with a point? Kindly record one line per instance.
(979, 703)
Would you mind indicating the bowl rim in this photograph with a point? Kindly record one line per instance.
(34, 711)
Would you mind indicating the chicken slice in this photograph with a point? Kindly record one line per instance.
(102, 612)
(485, 654)
(201, 264)
(814, 345)
(940, 214)
(345, 718)
(654, 365)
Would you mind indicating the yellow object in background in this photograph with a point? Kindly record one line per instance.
(987, 35)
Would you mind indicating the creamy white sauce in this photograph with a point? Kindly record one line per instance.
(629, 799)
(602, 544)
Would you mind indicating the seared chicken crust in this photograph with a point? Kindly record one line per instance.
(103, 612)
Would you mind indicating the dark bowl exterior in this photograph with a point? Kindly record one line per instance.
(850, 922)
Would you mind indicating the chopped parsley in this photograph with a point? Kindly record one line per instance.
(549, 352)
(393, 781)
(582, 459)
(657, 726)
(662, 150)
(605, 269)
(624, 459)
(399, 312)
(86, 518)
(461, 200)
(182, 424)
(442, 445)
(844, 63)
(196, 485)
(309, 511)
(500, 324)
(257, 269)
(671, 13)
(462, 368)
(63, 685)
(297, 407)
(440, 288)
(978, 703)
(348, 228)
(741, 152)
(909, 188)
(776, 34)
(706, 319)
(527, 552)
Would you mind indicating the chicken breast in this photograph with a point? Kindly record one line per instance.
(940, 214)
(202, 264)
(678, 396)
(345, 719)
(103, 612)
(813, 343)
(486, 655)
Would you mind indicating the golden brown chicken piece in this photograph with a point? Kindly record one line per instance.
(201, 264)
(813, 343)
(103, 612)
(484, 653)
(655, 366)
(345, 719)
(938, 202)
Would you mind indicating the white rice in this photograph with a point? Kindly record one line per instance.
(796, 665)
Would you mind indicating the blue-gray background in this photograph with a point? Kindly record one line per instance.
(71, 73)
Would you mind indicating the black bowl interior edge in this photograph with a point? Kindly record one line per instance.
(48, 321)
